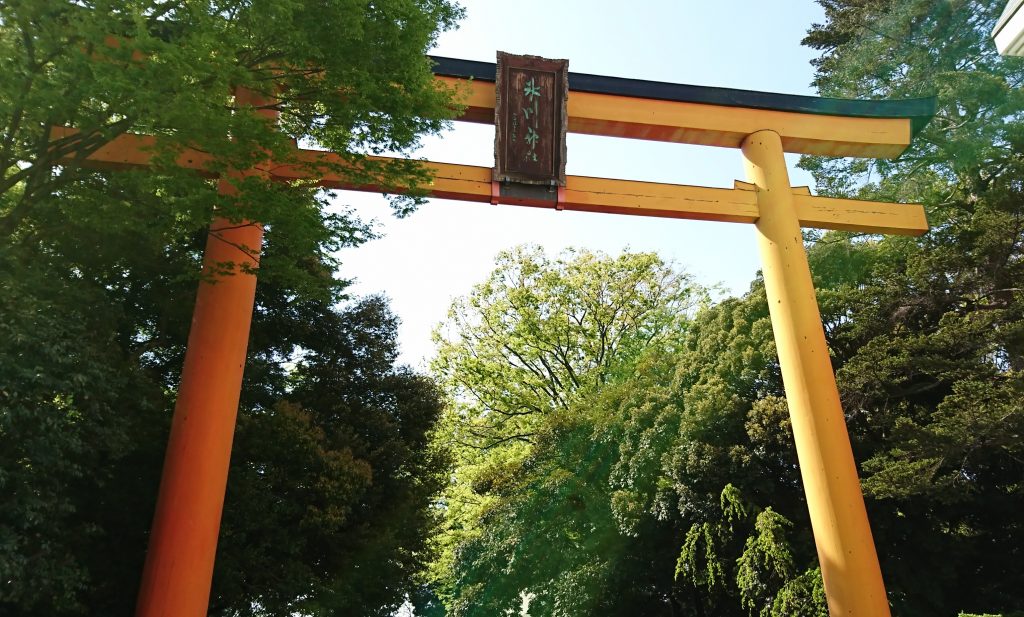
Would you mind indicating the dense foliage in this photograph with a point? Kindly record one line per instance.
(521, 355)
(332, 474)
(673, 488)
(930, 365)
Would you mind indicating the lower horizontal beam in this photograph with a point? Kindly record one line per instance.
(473, 183)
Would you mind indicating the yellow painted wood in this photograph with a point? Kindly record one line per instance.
(130, 151)
(709, 125)
(853, 214)
(846, 551)
(663, 200)
(863, 216)
(473, 183)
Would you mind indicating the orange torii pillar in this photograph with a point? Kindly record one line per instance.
(183, 542)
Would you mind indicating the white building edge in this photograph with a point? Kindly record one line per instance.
(1009, 30)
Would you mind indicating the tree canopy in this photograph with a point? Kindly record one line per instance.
(332, 468)
(347, 75)
(673, 489)
(524, 356)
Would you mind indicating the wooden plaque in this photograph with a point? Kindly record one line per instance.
(530, 119)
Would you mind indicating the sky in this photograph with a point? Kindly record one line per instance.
(426, 260)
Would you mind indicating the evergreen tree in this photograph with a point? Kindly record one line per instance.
(330, 489)
(928, 334)
(673, 489)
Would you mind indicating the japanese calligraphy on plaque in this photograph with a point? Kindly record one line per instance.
(530, 119)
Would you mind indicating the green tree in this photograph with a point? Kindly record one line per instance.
(539, 331)
(348, 75)
(670, 489)
(929, 333)
(332, 477)
(98, 271)
(683, 463)
(530, 358)
(340, 468)
(728, 476)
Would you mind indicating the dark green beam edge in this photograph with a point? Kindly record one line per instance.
(919, 111)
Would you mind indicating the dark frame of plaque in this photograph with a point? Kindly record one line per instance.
(530, 120)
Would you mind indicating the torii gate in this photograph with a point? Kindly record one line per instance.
(179, 564)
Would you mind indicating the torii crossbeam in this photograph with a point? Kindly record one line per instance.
(179, 565)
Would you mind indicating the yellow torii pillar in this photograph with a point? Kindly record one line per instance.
(846, 550)
(762, 125)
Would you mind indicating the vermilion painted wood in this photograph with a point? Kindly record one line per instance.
(178, 572)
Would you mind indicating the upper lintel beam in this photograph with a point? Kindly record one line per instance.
(711, 116)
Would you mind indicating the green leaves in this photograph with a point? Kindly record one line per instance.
(894, 49)
(766, 563)
(933, 458)
(544, 362)
(355, 82)
(98, 269)
(717, 560)
(71, 406)
(926, 332)
(540, 331)
(334, 456)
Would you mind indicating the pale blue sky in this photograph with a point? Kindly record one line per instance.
(438, 253)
